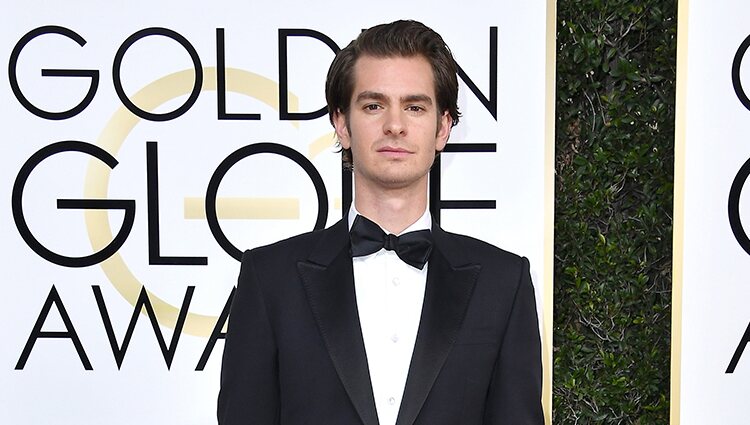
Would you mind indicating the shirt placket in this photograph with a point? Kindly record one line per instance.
(392, 289)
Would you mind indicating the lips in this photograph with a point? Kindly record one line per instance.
(394, 151)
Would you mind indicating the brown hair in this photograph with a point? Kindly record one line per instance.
(400, 38)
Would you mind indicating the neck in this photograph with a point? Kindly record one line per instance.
(394, 209)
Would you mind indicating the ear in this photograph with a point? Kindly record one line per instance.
(443, 131)
(342, 131)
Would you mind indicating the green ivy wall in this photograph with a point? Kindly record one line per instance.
(613, 210)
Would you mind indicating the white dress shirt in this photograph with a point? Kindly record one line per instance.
(389, 300)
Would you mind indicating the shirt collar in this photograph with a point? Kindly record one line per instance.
(423, 223)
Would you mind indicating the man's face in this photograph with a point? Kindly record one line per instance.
(393, 126)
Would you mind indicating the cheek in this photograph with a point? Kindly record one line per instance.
(361, 136)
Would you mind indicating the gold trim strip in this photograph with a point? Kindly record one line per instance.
(549, 201)
(679, 209)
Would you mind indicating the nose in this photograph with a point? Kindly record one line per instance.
(394, 124)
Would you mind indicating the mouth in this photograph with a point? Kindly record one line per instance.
(394, 151)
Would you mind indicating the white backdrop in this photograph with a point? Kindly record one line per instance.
(711, 286)
(165, 163)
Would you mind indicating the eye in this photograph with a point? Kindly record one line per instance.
(415, 108)
(372, 107)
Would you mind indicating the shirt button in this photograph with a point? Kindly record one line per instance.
(394, 338)
(391, 401)
(396, 281)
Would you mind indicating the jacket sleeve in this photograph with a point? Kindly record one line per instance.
(515, 393)
(249, 391)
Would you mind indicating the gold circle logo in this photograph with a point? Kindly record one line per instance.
(112, 138)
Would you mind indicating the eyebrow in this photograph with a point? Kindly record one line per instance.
(372, 95)
(417, 98)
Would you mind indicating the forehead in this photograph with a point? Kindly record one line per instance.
(395, 75)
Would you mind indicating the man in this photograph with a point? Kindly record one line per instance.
(350, 326)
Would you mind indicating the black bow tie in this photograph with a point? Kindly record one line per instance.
(412, 248)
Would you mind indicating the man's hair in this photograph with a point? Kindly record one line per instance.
(397, 39)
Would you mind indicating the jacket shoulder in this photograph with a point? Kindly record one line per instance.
(477, 250)
(300, 247)
(292, 247)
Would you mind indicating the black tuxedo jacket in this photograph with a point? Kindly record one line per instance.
(294, 352)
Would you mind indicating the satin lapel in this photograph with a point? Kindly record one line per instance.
(446, 299)
(328, 279)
